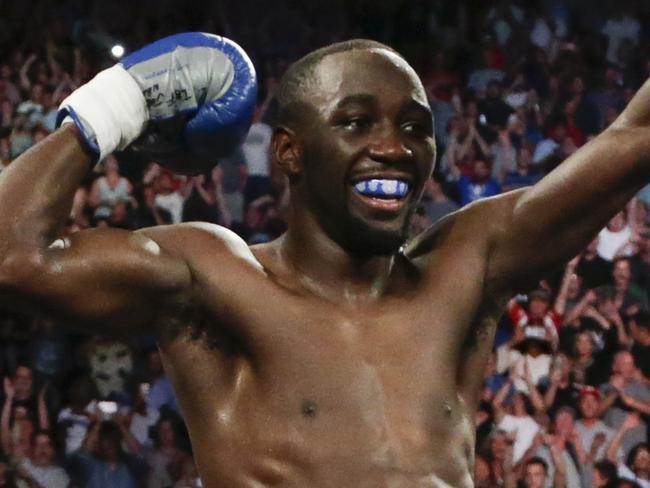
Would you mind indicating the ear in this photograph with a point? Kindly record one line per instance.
(286, 151)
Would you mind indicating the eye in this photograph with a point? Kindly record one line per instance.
(415, 128)
(356, 123)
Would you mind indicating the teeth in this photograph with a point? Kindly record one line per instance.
(382, 187)
(390, 187)
(362, 186)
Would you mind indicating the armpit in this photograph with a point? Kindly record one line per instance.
(186, 317)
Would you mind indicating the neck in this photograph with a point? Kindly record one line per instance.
(590, 422)
(621, 286)
(325, 268)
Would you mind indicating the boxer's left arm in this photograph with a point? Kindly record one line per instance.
(538, 228)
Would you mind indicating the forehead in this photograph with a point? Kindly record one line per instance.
(23, 372)
(377, 72)
(589, 398)
(624, 358)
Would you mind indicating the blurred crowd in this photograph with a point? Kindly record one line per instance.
(516, 87)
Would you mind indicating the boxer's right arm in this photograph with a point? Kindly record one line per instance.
(193, 95)
(99, 279)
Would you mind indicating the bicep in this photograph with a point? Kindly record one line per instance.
(101, 280)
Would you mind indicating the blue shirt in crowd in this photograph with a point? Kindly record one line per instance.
(470, 191)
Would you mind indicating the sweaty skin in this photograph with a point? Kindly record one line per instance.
(331, 357)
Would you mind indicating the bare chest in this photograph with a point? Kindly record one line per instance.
(378, 384)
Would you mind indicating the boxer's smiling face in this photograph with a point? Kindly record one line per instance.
(367, 148)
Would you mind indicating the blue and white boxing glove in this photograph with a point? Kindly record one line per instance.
(184, 100)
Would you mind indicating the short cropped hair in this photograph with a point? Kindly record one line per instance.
(538, 460)
(634, 451)
(607, 470)
(300, 74)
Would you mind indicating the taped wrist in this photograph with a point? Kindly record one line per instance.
(110, 111)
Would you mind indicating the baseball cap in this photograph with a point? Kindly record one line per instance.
(589, 390)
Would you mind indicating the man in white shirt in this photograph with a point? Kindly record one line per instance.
(257, 151)
(618, 29)
(614, 237)
(40, 467)
(590, 428)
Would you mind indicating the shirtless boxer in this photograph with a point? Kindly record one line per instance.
(338, 355)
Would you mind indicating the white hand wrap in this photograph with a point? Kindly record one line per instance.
(110, 110)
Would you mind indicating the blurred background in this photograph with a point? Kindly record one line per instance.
(515, 87)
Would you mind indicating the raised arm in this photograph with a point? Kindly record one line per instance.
(108, 277)
(5, 418)
(98, 277)
(540, 227)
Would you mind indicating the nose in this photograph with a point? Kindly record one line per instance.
(387, 146)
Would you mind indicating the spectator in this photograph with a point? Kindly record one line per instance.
(465, 142)
(536, 475)
(205, 200)
(233, 180)
(641, 261)
(499, 456)
(40, 469)
(110, 189)
(256, 149)
(610, 96)
(23, 410)
(563, 447)
(435, 201)
(523, 175)
(161, 393)
(169, 195)
(530, 359)
(148, 213)
(622, 394)
(592, 268)
(516, 418)
(487, 71)
(618, 28)
(614, 452)
(166, 459)
(604, 475)
(594, 435)
(628, 297)
(141, 418)
(614, 237)
(495, 110)
(504, 156)
(73, 421)
(104, 463)
(640, 330)
(561, 391)
(479, 185)
(583, 357)
(548, 147)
